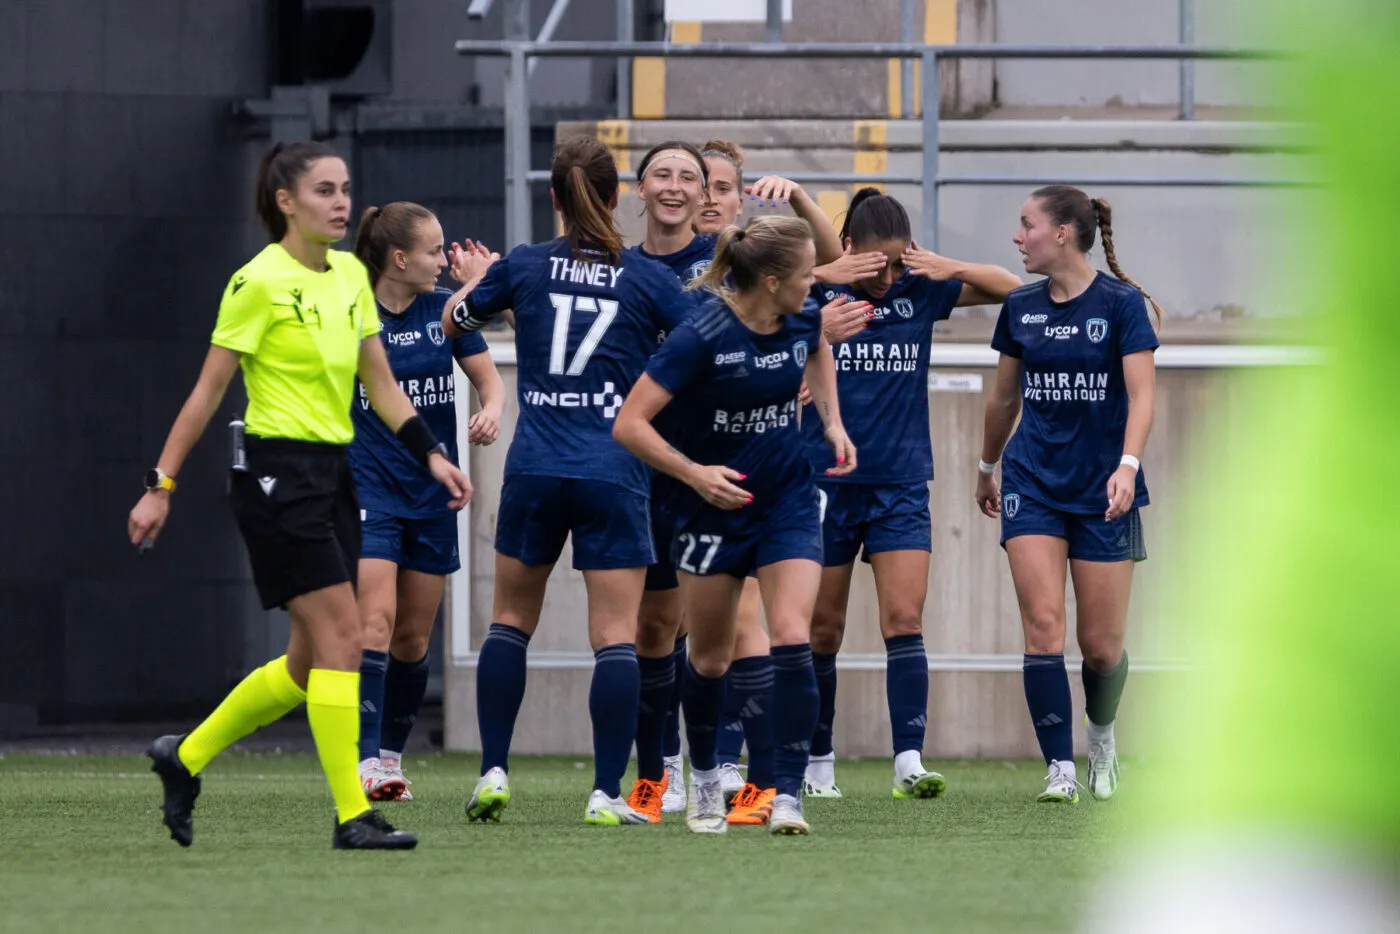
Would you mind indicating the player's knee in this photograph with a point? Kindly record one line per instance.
(656, 635)
(828, 629)
(409, 646)
(378, 627)
(710, 662)
(902, 621)
(1044, 630)
(1101, 654)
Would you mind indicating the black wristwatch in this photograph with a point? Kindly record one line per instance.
(157, 479)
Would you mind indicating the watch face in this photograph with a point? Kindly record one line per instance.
(152, 479)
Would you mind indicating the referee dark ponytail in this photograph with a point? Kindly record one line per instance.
(875, 216)
(384, 230)
(1067, 206)
(768, 246)
(584, 181)
(281, 168)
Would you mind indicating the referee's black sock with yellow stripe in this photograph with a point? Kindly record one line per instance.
(266, 695)
(333, 708)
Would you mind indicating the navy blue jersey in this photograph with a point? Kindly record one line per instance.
(584, 331)
(882, 382)
(388, 478)
(1074, 402)
(735, 392)
(690, 261)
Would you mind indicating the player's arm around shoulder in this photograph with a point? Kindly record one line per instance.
(981, 283)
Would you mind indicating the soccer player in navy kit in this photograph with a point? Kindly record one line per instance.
(733, 371)
(408, 532)
(1077, 365)
(673, 184)
(587, 316)
(882, 374)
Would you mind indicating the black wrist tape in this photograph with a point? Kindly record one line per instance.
(418, 438)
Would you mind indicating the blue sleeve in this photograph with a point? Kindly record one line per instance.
(468, 345)
(682, 361)
(1135, 332)
(492, 295)
(1002, 341)
(941, 297)
(671, 304)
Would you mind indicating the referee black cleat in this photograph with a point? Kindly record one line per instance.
(181, 788)
(370, 831)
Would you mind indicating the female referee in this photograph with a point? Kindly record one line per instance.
(734, 370)
(1077, 347)
(587, 316)
(300, 320)
(408, 530)
(674, 184)
(882, 374)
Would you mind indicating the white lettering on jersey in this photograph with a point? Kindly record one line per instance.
(771, 361)
(1066, 387)
(423, 393)
(754, 421)
(578, 272)
(404, 338)
(608, 400)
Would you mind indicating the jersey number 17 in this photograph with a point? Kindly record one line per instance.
(564, 308)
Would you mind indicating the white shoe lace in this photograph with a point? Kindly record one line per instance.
(1061, 779)
(709, 799)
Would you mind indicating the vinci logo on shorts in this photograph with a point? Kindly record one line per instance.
(608, 400)
(1011, 504)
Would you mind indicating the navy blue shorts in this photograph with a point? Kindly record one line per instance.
(661, 575)
(610, 524)
(428, 546)
(733, 542)
(880, 516)
(1091, 538)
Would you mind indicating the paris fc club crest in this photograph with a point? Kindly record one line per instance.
(435, 333)
(696, 270)
(799, 353)
(904, 308)
(1096, 328)
(1011, 504)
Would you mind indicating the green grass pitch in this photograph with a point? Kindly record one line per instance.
(84, 851)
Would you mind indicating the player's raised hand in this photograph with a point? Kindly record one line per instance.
(716, 486)
(843, 318)
(925, 263)
(851, 268)
(844, 450)
(446, 473)
(772, 189)
(988, 495)
(469, 261)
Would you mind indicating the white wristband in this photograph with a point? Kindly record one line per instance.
(1131, 461)
(985, 467)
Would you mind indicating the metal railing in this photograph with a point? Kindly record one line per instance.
(519, 176)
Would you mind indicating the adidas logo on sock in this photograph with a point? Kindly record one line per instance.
(1050, 720)
(367, 707)
(751, 709)
(920, 722)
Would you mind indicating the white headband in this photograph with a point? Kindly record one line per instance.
(673, 154)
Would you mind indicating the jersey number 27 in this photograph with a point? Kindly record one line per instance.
(564, 308)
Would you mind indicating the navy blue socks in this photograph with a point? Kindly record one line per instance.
(405, 683)
(825, 668)
(372, 667)
(795, 717)
(658, 682)
(751, 697)
(500, 688)
(1047, 697)
(612, 704)
(671, 745)
(703, 702)
(906, 690)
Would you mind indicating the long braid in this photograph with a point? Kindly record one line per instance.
(1103, 213)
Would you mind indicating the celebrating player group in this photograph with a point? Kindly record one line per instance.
(722, 419)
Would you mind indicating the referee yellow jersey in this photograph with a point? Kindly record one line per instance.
(299, 332)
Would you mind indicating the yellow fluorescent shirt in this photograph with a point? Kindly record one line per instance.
(299, 332)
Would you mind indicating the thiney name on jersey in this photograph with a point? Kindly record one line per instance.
(564, 269)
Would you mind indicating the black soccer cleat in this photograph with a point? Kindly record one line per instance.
(181, 788)
(370, 831)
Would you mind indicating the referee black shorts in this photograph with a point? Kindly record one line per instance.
(300, 518)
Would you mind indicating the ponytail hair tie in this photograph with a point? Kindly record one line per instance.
(740, 234)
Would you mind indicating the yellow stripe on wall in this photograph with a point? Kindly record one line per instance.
(649, 75)
(614, 134)
(940, 28)
(833, 204)
(895, 94)
(871, 157)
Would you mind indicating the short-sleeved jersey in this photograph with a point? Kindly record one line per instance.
(1074, 400)
(299, 332)
(584, 330)
(882, 382)
(735, 392)
(387, 477)
(689, 262)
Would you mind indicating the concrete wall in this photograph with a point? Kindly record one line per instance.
(972, 627)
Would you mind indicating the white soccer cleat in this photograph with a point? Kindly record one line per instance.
(610, 812)
(787, 819)
(705, 812)
(731, 780)
(392, 771)
(1062, 786)
(673, 799)
(1103, 767)
(820, 778)
(490, 797)
(381, 784)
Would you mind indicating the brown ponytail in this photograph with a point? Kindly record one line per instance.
(768, 246)
(584, 180)
(383, 230)
(281, 168)
(1103, 214)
